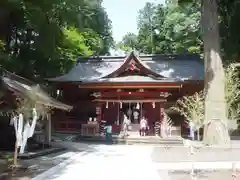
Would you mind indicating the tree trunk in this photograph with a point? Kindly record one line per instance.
(215, 105)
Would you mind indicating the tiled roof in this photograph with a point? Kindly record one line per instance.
(185, 66)
(24, 87)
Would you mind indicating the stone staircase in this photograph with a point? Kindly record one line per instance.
(136, 139)
(135, 127)
(133, 138)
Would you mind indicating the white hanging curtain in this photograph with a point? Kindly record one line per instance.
(28, 130)
(106, 105)
(153, 105)
(25, 136)
(18, 124)
(23, 133)
(12, 121)
(34, 122)
(138, 106)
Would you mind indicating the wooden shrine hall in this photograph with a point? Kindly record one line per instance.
(105, 88)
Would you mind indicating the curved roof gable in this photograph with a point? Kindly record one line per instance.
(132, 63)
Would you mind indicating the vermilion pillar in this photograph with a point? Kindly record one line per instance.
(99, 112)
(161, 113)
(99, 109)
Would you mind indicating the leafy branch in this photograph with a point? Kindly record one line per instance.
(232, 92)
(166, 124)
(192, 108)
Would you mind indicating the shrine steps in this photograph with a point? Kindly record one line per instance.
(133, 138)
(176, 141)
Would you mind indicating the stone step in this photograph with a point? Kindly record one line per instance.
(133, 138)
(153, 141)
(130, 140)
(135, 127)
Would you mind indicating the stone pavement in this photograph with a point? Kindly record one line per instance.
(182, 154)
(127, 161)
(41, 164)
(108, 161)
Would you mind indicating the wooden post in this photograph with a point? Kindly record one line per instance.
(159, 123)
(15, 155)
(99, 118)
(118, 114)
(48, 130)
(99, 109)
(141, 110)
(99, 112)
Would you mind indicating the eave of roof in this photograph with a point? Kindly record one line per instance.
(25, 89)
(129, 85)
(134, 79)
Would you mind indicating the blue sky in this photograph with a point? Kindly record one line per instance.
(123, 14)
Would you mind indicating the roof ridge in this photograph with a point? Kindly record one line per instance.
(154, 57)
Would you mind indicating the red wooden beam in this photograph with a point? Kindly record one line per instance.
(142, 94)
(135, 90)
(130, 85)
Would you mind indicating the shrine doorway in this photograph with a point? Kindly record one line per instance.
(133, 111)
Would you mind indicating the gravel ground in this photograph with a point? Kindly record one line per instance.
(182, 154)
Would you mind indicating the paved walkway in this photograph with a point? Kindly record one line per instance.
(113, 161)
(182, 154)
(123, 162)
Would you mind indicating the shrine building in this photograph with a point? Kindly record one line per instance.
(105, 88)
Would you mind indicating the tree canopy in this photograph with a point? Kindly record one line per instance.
(175, 28)
(35, 34)
(168, 28)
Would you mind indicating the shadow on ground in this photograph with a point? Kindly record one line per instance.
(39, 165)
(79, 149)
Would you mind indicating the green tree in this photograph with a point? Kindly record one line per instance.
(229, 29)
(94, 17)
(215, 100)
(192, 108)
(182, 27)
(179, 30)
(128, 43)
(146, 28)
(215, 104)
(51, 32)
(169, 29)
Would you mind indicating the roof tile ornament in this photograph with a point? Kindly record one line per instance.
(132, 66)
(165, 94)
